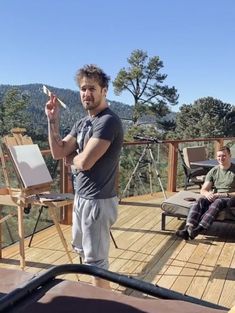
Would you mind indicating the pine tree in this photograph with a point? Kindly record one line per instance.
(145, 82)
(13, 111)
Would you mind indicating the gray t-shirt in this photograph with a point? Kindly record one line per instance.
(99, 181)
(222, 180)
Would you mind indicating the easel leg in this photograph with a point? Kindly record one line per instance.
(36, 224)
(21, 236)
(60, 233)
(114, 242)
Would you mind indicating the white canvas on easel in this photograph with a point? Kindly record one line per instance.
(30, 164)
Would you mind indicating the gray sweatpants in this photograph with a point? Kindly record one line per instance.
(92, 219)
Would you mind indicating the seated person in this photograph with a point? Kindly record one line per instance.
(217, 190)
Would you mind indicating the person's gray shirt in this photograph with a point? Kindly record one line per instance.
(99, 181)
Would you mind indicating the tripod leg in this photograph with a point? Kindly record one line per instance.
(140, 179)
(134, 171)
(36, 224)
(157, 173)
(150, 178)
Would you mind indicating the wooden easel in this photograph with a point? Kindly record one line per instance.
(22, 196)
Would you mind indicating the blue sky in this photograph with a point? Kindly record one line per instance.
(46, 41)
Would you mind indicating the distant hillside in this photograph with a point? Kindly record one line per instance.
(70, 97)
(72, 100)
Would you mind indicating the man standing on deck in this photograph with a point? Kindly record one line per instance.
(93, 148)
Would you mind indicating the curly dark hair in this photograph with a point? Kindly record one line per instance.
(94, 72)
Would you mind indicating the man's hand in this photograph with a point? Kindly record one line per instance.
(207, 192)
(211, 196)
(52, 108)
(68, 160)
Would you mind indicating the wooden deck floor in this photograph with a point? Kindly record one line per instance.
(203, 268)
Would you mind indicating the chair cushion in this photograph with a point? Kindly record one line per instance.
(177, 204)
(180, 203)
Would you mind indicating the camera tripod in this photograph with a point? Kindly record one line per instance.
(146, 154)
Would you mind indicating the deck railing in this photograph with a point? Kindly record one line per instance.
(171, 153)
(165, 153)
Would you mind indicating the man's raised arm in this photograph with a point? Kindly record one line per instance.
(60, 148)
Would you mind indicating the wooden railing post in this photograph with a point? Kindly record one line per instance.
(172, 166)
(65, 187)
(218, 144)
